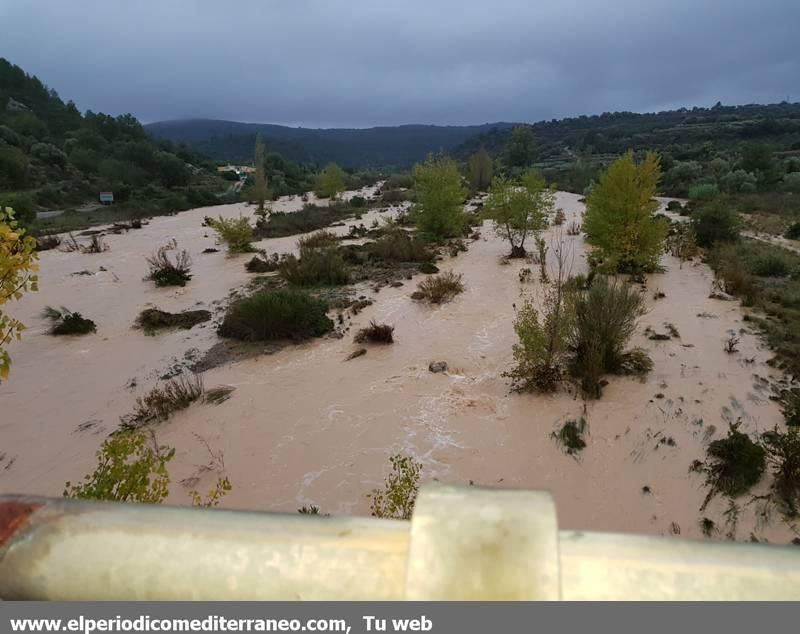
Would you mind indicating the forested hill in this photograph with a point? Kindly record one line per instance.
(399, 146)
(728, 147)
(52, 156)
(690, 129)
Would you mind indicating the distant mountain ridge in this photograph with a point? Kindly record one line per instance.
(398, 146)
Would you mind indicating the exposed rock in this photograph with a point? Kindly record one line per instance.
(438, 366)
(358, 353)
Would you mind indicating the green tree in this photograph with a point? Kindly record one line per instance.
(714, 222)
(522, 147)
(619, 220)
(18, 268)
(480, 170)
(331, 181)
(439, 212)
(518, 210)
(128, 470)
(260, 179)
(757, 158)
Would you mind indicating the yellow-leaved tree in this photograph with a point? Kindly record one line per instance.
(619, 222)
(18, 268)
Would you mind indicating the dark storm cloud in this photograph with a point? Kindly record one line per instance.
(383, 62)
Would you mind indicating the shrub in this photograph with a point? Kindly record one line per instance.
(358, 202)
(392, 196)
(770, 264)
(703, 191)
(733, 464)
(441, 288)
(732, 275)
(375, 333)
(559, 218)
(309, 218)
(715, 222)
(397, 246)
(165, 272)
(279, 314)
(399, 181)
(65, 322)
(399, 494)
(17, 276)
(315, 267)
(221, 488)
(234, 232)
(127, 471)
(605, 319)
(162, 401)
(635, 362)
(570, 436)
(263, 265)
(792, 232)
(151, 320)
(574, 229)
(791, 182)
(540, 354)
(318, 240)
(783, 455)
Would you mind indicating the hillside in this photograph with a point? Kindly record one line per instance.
(399, 146)
(52, 156)
(688, 140)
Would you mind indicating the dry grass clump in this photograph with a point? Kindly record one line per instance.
(375, 333)
(162, 401)
(166, 272)
(441, 288)
(96, 245)
(66, 322)
(151, 320)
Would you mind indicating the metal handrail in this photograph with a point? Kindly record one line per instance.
(461, 544)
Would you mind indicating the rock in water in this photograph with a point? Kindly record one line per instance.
(438, 366)
(358, 353)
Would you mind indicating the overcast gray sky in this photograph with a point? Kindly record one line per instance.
(356, 63)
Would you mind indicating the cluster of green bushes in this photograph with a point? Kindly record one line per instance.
(309, 218)
(320, 266)
(278, 314)
(581, 331)
(736, 463)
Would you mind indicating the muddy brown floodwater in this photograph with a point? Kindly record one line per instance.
(304, 426)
